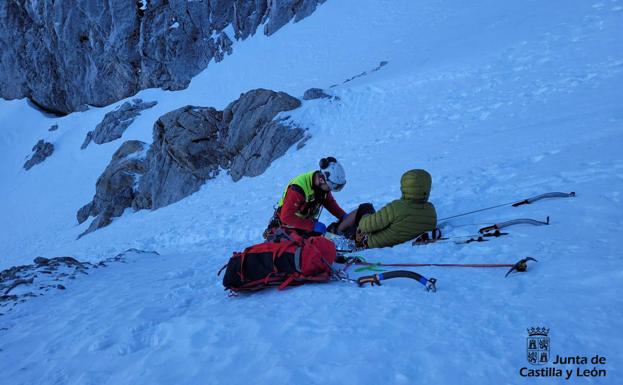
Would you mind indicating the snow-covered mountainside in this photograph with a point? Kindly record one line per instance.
(498, 100)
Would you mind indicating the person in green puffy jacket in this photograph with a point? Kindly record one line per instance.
(404, 218)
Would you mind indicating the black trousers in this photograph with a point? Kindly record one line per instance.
(363, 209)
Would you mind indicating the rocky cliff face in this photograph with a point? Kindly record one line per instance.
(190, 146)
(63, 55)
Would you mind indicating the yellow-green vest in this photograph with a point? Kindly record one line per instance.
(305, 182)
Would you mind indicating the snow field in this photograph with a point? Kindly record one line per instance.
(498, 100)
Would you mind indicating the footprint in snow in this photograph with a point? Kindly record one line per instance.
(145, 335)
(102, 343)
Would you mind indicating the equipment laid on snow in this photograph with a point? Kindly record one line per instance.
(435, 237)
(517, 203)
(520, 266)
(484, 232)
(543, 196)
(289, 261)
(375, 279)
(513, 222)
(342, 275)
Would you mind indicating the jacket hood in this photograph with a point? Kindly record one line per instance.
(415, 185)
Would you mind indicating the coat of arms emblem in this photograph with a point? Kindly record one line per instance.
(538, 346)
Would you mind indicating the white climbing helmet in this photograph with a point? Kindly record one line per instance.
(333, 172)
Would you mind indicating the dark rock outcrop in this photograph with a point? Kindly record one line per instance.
(116, 122)
(87, 140)
(42, 150)
(186, 151)
(19, 283)
(190, 146)
(252, 138)
(115, 188)
(63, 55)
(315, 93)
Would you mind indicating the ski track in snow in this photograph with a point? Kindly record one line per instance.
(498, 100)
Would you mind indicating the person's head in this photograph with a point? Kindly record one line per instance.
(331, 176)
(416, 185)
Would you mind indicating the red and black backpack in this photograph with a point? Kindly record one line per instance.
(288, 260)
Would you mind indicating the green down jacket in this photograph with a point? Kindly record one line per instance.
(404, 218)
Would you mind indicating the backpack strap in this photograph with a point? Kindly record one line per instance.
(298, 279)
(288, 281)
(278, 251)
(297, 258)
(259, 284)
(242, 258)
(221, 270)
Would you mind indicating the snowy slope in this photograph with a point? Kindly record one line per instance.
(498, 100)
